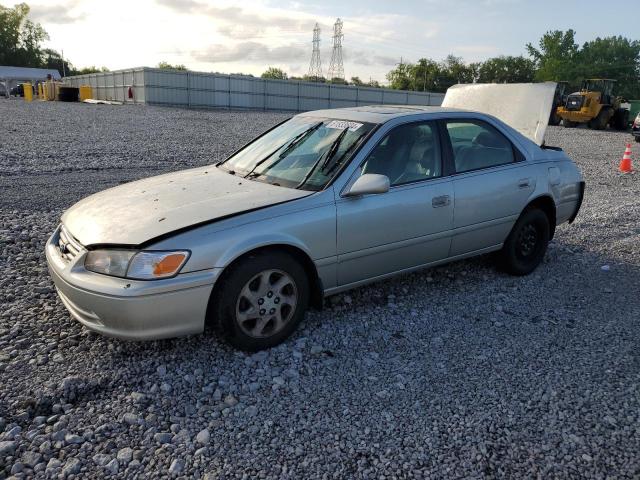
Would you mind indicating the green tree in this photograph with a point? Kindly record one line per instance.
(356, 81)
(430, 75)
(307, 78)
(400, 78)
(506, 69)
(426, 76)
(556, 56)
(20, 38)
(168, 66)
(454, 70)
(53, 60)
(91, 69)
(274, 73)
(612, 57)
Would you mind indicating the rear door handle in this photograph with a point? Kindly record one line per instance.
(441, 201)
(524, 182)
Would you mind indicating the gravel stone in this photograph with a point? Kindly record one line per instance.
(112, 467)
(176, 467)
(71, 467)
(8, 447)
(459, 371)
(125, 455)
(163, 437)
(203, 437)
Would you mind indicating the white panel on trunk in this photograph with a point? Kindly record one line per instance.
(523, 106)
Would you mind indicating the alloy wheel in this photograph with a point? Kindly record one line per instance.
(266, 303)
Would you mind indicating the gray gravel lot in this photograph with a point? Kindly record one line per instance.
(456, 372)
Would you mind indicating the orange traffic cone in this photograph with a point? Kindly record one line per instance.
(625, 163)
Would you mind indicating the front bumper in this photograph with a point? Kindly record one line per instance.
(130, 309)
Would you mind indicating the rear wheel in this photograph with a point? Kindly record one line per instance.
(261, 300)
(601, 120)
(569, 124)
(620, 120)
(527, 243)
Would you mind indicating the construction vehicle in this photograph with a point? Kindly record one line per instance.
(559, 100)
(596, 105)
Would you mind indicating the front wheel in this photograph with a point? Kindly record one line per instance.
(261, 300)
(527, 243)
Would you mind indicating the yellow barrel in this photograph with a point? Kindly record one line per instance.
(40, 92)
(28, 92)
(85, 92)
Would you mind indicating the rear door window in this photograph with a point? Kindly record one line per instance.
(478, 145)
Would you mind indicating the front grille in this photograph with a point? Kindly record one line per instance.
(68, 246)
(574, 102)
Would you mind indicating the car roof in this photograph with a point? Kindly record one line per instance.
(377, 113)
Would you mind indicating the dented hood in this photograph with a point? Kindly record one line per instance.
(523, 106)
(136, 212)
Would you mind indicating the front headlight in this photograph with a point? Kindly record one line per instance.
(136, 265)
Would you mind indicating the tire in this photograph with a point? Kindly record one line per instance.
(600, 122)
(235, 304)
(569, 124)
(620, 119)
(527, 243)
(637, 139)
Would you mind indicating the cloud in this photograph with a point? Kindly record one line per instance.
(58, 14)
(367, 58)
(251, 52)
(238, 23)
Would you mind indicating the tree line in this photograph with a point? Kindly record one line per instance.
(557, 57)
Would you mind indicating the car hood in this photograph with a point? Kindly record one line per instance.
(525, 107)
(137, 212)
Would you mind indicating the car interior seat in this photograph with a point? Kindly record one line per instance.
(486, 150)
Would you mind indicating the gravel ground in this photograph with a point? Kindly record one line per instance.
(456, 372)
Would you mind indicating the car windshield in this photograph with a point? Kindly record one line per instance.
(303, 152)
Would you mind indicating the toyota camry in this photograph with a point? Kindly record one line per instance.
(321, 203)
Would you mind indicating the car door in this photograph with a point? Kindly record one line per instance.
(407, 226)
(492, 184)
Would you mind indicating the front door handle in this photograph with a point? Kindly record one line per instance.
(441, 201)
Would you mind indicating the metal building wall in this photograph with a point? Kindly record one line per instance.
(214, 90)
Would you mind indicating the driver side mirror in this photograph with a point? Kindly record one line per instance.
(369, 183)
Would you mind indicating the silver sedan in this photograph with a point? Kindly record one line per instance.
(323, 202)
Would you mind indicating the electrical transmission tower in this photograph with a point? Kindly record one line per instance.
(336, 68)
(315, 66)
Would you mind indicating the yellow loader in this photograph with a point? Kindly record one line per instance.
(596, 105)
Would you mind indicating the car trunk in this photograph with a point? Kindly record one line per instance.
(523, 106)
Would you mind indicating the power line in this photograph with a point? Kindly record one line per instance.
(315, 66)
(336, 68)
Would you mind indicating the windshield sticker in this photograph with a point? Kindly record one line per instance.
(342, 124)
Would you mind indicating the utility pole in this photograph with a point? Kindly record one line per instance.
(62, 58)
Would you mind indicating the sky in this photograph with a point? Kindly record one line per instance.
(252, 35)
